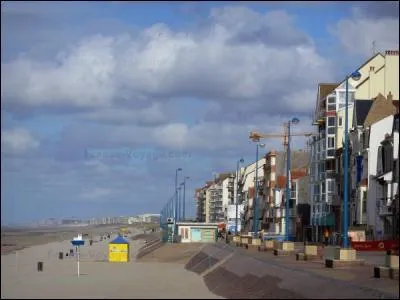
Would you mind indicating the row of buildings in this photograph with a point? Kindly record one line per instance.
(144, 218)
(317, 187)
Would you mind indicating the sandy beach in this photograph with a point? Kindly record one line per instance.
(98, 278)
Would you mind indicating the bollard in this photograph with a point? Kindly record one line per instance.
(40, 266)
(60, 255)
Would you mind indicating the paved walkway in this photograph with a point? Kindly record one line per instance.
(313, 280)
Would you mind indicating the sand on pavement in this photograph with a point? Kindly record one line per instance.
(98, 279)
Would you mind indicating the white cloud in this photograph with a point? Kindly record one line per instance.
(95, 193)
(171, 136)
(357, 33)
(237, 56)
(17, 140)
(151, 115)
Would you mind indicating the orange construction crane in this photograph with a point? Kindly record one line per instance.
(256, 136)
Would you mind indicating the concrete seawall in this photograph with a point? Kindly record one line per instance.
(234, 273)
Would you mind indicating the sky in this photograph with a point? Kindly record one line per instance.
(102, 101)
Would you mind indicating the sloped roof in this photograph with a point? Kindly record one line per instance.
(361, 109)
(325, 89)
(295, 174)
(119, 240)
(299, 159)
(380, 109)
(223, 176)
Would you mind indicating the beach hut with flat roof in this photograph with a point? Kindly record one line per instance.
(118, 250)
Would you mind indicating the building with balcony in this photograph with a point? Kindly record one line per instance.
(214, 198)
(221, 195)
(277, 209)
(275, 166)
(322, 157)
(371, 123)
(200, 197)
(379, 75)
(246, 193)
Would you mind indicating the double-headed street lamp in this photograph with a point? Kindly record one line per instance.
(240, 161)
(255, 204)
(288, 178)
(355, 76)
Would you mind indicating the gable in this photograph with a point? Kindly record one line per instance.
(343, 86)
(360, 111)
(380, 109)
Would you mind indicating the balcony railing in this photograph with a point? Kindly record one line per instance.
(385, 210)
(330, 173)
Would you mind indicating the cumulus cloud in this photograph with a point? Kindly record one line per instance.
(137, 91)
(370, 21)
(152, 115)
(95, 194)
(236, 56)
(17, 140)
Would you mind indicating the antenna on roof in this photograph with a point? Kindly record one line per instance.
(373, 47)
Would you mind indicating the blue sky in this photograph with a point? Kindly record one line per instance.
(176, 84)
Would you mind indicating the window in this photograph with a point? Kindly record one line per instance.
(351, 97)
(331, 121)
(316, 189)
(387, 158)
(364, 206)
(340, 121)
(331, 103)
(331, 142)
(291, 203)
(342, 97)
(331, 186)
(331, 130)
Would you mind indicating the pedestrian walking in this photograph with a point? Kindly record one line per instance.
(326, 236)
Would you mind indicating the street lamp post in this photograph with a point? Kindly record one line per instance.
(240, 161)
(184, 198)
(355, 76)
(176, 199)
(273, 208)
(179, 202)
(288, 179)
(255, 204)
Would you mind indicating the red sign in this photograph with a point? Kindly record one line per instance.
(375, 245)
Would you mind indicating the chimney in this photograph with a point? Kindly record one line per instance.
(389, 97)
(392, 52)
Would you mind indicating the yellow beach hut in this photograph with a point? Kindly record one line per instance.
(118, 250)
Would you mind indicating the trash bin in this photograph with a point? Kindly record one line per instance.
(40, 266)
(60, 255)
